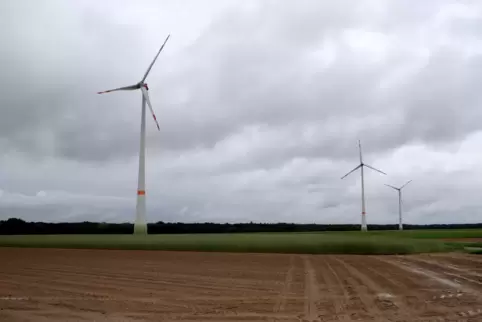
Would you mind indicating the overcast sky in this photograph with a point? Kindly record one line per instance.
(261, 105)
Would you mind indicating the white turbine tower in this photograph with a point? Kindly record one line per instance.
(400, 222)
(140, 225)
(360, 166)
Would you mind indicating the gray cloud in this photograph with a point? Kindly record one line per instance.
(260, 106)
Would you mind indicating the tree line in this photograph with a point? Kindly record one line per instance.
(15, 226)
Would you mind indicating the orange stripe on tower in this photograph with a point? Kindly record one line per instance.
(141, 192)
(363, 213)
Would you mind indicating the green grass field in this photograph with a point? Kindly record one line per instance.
(374, 242)
(377, 242)
(432, 234)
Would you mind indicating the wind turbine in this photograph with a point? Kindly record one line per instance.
(360, 166)
(140, 225)
(400, 223)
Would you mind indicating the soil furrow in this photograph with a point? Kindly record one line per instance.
(281, 302)
(337, 296)
(82, 285)
(449, 297)
(370, 293)
(311, 291)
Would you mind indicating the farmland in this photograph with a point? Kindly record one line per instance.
(242, 277)
(115, 285)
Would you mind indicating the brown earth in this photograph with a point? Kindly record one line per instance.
(96, 285)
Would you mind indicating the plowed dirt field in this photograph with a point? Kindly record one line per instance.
(97, 285)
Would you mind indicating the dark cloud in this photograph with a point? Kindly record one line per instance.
(261, 107)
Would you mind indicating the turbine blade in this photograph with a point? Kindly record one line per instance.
(146, 97)
(125, 88)
(356, 168)
(366, 165)
(406, 183)
(391, 186)
(154, 60)
(359, 148)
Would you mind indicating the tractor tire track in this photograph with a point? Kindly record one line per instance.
(311, 292)
(451, 271)
(80, 285)
(449, 297)
(337, 293)
(368, 292)
(283, 296)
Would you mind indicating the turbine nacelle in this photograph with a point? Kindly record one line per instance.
(360, 166)
(142, 86)
(140, 226)
(399, 190)
(145, 96)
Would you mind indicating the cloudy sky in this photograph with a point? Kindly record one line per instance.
(261, 106)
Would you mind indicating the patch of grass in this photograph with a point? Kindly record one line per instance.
(472, 244)
(429, 233)
(302, 243)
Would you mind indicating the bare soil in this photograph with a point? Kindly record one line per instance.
(99, 285)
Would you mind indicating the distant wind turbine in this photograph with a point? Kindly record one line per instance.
(140, 225)
(400, 222)
(360, 166)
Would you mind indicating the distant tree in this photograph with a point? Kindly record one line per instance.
(15, 226)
